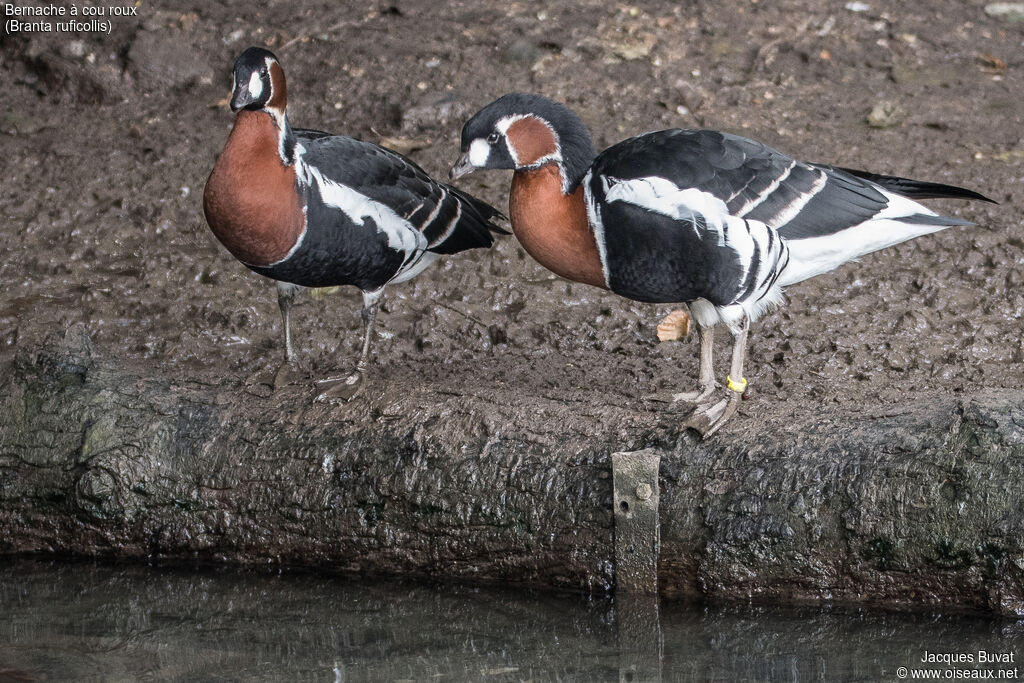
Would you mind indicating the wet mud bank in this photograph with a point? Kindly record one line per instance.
(907, 505)
(878, 460)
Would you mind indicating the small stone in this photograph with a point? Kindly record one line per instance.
(884, 115)
(521, 51)
(74, 49)
(1011, 12)
(857, 6)
(675, 326)
(403, 145)
(320, 293)
(638, 47)
(691, 94)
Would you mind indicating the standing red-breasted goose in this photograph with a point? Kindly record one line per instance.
(311, 209)
(697, 216)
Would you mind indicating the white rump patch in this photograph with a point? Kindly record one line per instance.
(816, 255)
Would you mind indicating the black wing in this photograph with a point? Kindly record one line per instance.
(450, 219)
(915, 189)
(755, 181)
(306, 134)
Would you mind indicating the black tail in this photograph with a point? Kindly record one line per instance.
(475, 227)
(917, 189)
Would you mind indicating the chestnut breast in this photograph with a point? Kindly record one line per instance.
(553, 227)
(251, 200)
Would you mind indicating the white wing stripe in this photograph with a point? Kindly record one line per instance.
(451, 225)
(433, 214)
(767, 192)
(789, 212)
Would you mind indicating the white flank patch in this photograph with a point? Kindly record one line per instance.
(479, 151)
(744, 237)
(815, 255)
(400, 234)
(255, 85)
(771, 300)
(663, 196)
(707, 314)
(414, 268)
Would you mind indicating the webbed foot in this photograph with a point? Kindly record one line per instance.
(340, 389)
(709, 416)
(285, 375)
(703, 393)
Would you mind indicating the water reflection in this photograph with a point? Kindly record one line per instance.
(86, 622)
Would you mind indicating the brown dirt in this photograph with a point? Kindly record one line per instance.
(107, 145)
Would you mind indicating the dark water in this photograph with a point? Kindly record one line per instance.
(85, 622)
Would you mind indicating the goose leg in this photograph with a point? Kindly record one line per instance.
(285, 298)
(710, 416)
(705, 374)
(345, 388)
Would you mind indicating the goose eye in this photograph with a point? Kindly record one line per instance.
(493, 138)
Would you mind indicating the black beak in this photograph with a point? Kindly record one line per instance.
(241, 98)
(462, 167)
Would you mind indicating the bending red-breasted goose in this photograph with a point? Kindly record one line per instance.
(708, 218)
(311, 209)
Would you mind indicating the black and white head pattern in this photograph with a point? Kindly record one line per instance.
(522, 132)
(258, 82)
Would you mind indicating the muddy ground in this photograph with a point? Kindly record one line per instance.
(107, 141)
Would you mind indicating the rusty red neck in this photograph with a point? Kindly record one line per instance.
(553, 226)
(251, 200)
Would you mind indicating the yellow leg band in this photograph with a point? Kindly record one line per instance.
(739, 387)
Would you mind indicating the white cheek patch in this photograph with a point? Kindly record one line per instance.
(479, 151)
(255, 85)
